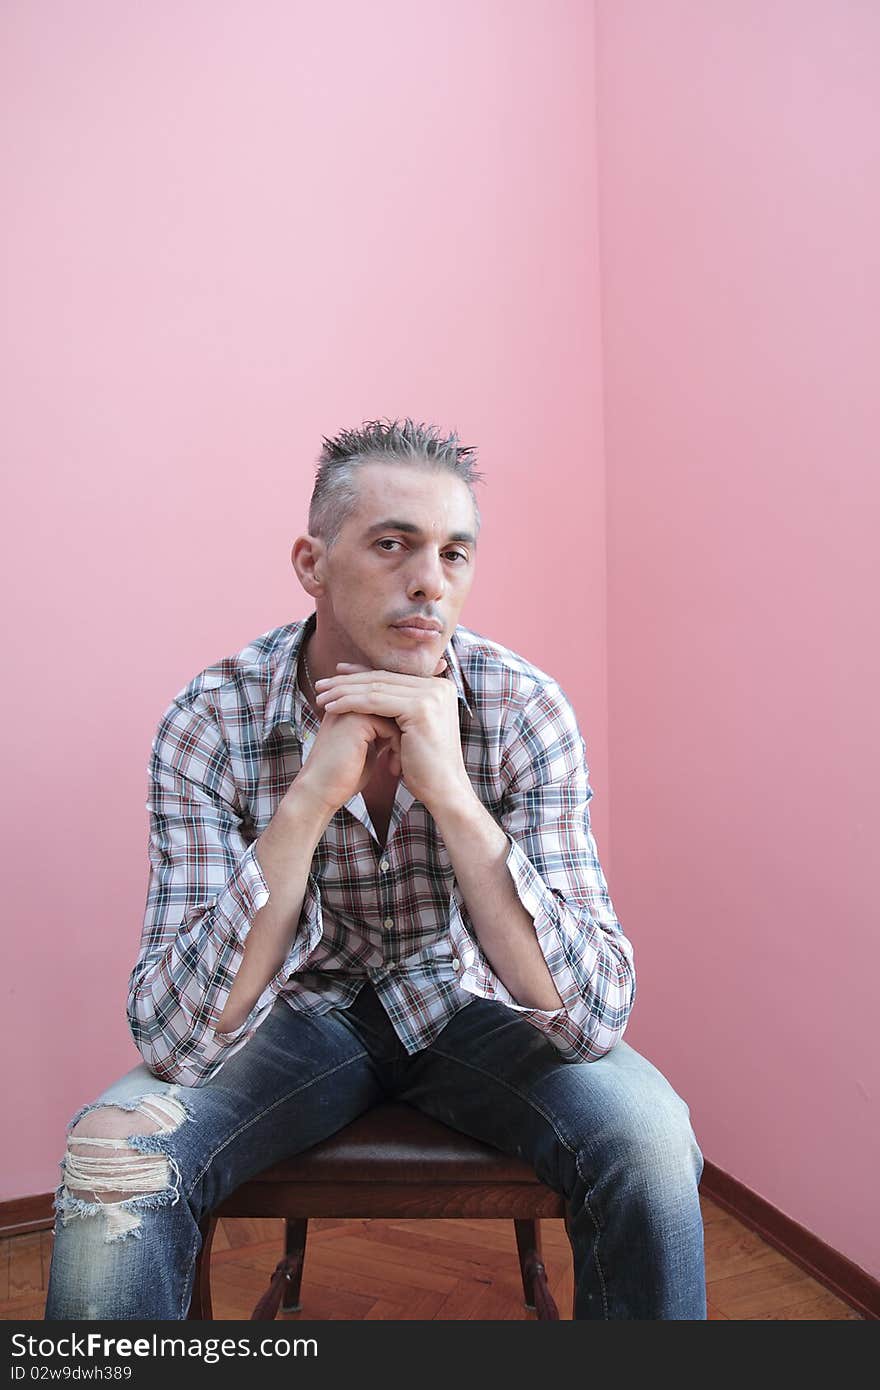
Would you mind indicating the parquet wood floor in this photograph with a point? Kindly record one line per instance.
(440, 1270)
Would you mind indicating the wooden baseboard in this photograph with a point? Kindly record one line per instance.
(845, 1279)
(23, 1214)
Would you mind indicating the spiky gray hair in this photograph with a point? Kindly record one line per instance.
(335, 493)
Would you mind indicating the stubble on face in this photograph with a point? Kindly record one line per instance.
(379, 574)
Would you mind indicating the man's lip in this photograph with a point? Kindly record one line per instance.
(420, 623)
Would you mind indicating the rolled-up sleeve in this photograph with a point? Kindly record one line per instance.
(205, 888)
(554, 865)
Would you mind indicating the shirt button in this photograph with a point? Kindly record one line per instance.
(456, 963)
(384, 866)
(389, 922)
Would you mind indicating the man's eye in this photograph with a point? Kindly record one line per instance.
(387, 541)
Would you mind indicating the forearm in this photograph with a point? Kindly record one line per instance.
(478, 849)
(285, 851)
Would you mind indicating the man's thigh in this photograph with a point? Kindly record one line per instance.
(299, 1079)
(494, 1076)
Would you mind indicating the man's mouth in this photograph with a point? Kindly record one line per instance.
(416, 620)
(418, 630)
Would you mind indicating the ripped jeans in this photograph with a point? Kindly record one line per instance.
(612, 1136)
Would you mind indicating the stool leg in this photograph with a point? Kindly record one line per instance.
(200, 1307)
(528, 1239)
(534, 1277)
(295, 1232)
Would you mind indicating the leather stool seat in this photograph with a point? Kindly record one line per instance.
(393, 1162)
(395, 1143)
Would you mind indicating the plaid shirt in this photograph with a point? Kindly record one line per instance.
(224, 754)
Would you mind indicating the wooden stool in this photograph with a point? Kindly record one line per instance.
(392, 1162)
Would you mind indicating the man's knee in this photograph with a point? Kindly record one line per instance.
(115, 1155)
(646, 1145)
(663, 1150)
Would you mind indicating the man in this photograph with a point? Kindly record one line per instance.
(373, 874)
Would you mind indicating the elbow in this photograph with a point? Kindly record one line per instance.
(164, 1061)
(168, 1068)
(179, 1074)
(588, 1036)
(591, 1047)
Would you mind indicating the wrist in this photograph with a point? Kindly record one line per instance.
(302, 801)
(455, 803)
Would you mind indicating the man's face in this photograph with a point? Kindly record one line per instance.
(407, 550)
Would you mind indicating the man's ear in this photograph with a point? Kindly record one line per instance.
(308, 558)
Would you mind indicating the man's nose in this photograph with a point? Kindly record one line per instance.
(426, 579)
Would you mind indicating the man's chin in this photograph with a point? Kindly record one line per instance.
(420, 662)
(414, 666)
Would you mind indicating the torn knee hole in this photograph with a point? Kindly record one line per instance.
(112, 1154)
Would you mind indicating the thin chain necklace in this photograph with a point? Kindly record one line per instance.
(309, 676)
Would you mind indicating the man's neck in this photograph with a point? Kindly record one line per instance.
(321, 655)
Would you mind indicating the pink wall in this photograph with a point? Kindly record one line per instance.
(232, 228)
(230, 232)
(740, 242)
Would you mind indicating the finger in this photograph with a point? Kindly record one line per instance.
(338, 686)
(383, 729)
(390, 751)
(346, 666)
(387, 731)
(391, 704)
(391, 744)
(364, 674)
(334, 686)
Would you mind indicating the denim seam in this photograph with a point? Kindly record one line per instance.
(528, 1100)
(186, 1302)
(282, 1100)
